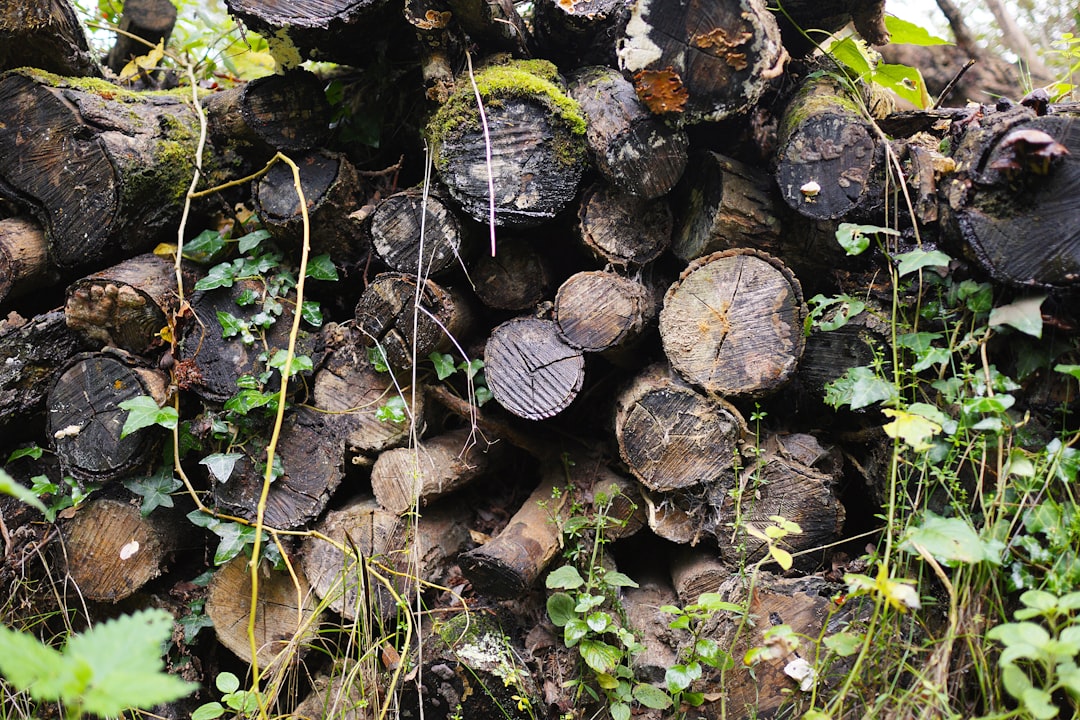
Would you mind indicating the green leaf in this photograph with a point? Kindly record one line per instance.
(221, 275)
(472, 367)
(377, 358)
(155, 490)
(231, 326)
(614, 578)
(392, 411)
(208, 711)
(1024, 315)
(560, 608)
(564, 578)
(714, 602)
(206, 247)
(652, 697)
(125, 655)
(854, 54)
(221, 465)
(321, 267)
(859, 387)
(1073, 370)
(844, 644)
(680, 677)
(573, 631)
(915, 260)
(444, 364)
(300, 363)
(782, 557)
(1039, 703)
(600, 656)
(33, 452)
(855, 239)
(598, 622)
(226, 682)
(952, 541)
(902, 32)
(907, 82)
(245, 401)
(8, 486)
(31, 666)
(482, 395)
(1015, 634)
(311, 312)
(619, 711)
(143, 411)
(252, 240)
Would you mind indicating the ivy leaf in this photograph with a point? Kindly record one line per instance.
(600, 656)
(33, 452)
(143, 411)
(444, 364)
(252, 240)
(915, 260)
(564, 578)
(914, 430)
(221, 465)
(300, 363)
(1024, 315)
(855, 238)
(221, 275)
(560, 608)
(902, 32)
(652, 697)
(155, 490)
(231, 326)
(859, 387)
(8, 486)
(311, 312)
(245, 401)
(206, 247)
(392, 411)
(321, 267)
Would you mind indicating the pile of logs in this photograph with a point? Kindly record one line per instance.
(619, 207)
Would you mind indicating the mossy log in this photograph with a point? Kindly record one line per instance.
(105, 171)
(733, 323)
(150, 20)
(670, 435)
(701, 61)
(602, 312)
(46, 34)
(623, 229)
(526, 155)
(110, 550)
(829, 161)
(85, 420)
(285, 613)
(126, 306)
(1011, 206)
(417, 232)
(576, 34)
(517, 277)
(631, 147)
(24, 258)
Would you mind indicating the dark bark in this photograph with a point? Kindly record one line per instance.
(516, 278)
(45, 34)
(575, 34)
(396, 225)
(24, 259)
(733, 323)
(818, 18)
(151, 20)
(622, 229)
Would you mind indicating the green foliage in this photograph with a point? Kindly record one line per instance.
(144, 411)
(8, 486)
(772, 535)
(104, 671)
(244, 703)
(234, 538)
(702, 651)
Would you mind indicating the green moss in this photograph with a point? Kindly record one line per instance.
(100, 87)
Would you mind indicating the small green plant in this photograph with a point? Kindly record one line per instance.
(700, 650)
(104, 671)
(772, 535)
(241, 703)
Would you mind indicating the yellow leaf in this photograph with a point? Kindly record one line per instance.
(146, 62)
(782, 557)
(165, 334)
(165, 250)
(898, 593)
(914, 430)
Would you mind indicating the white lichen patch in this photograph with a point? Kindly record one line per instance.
(488, 652)
(637, 51)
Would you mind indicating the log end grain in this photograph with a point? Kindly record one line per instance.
(531, 370)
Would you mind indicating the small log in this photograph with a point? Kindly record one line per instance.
(46, 35)
(405, 478)
(126, 306)
(85, 420)
(411, 220)
(671, 436)
(508, 564)
(151, 20)
(721, 204)
(829, 161)
(1011, 206)
(31, 353)
(632, 148)
(576, 34)
(530, 369)
(111, 550)
(623, 229)
(332, 191)
(470, 668)
(312, 456)
(694, 572)
(599, 311)
(701, 61)
(408, 552)
(348, 391)
(733, 323)
(516, 278)
(285, 618)
(533, 150)
(674, 517)
(24, 258)
(492, 24)
(828, 16)
(829, 354)
(387, 316)
(661, 645)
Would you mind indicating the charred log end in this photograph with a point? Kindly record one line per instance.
(531, 370)
(385, 318)
(623, 229)
(516, 278)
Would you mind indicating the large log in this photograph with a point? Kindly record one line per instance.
(576, 34)
(45, 34)
(1012, 203)
(733, 323)
(530, 144)
(701, 61)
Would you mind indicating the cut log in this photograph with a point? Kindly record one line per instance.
(671, 436)
(733, 323)
(127, 306)
(632, 148)
(285, 618)
(311, 456)
(31, 353)
(151, 20)
(407, 552)
(576, 34)
(618, 497)
(105, 170)
(413, 220)
(530, 145)
(516, 278)
(599, 311)
(493, 24)
(697, 571)
(804, 22)
(700, 61)
(47, 35)
(623, 229)
(347, 691)
(85, 420)
(530, 369)
(332, 191)
(470, 668)
(508, 564)
(1012, 205)
(111, 550)
(441, 46)
(828, 162)
(831, 353)
(387, 317)
(405, 478)
(721, 204)
(24, 258)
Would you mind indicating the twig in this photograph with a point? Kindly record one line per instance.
(952, 84)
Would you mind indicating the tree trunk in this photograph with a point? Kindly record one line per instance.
(701, 61)
(45, 34)
(530, 369)
(530, 145)
(622, 229)
(85, 420)
(24, 258)
(412, 221)
(632, 148)
(733, 323)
